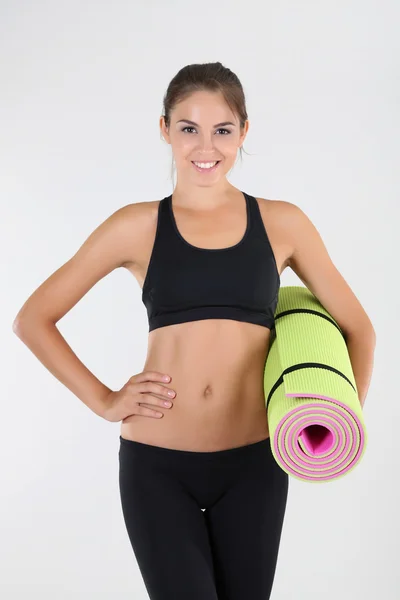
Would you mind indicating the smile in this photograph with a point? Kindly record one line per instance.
(207, 167)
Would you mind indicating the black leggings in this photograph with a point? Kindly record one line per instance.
(227, 552)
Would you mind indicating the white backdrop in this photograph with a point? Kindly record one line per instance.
(80, 99)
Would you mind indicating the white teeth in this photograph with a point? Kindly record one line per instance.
(205, 165)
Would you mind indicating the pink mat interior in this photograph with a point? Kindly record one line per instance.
(317, 439)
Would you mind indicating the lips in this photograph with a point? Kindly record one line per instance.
(205, 170)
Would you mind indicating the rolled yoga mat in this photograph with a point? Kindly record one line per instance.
(315, 418)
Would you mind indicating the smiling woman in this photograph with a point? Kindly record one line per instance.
(195, 98)
(211, 280)
(209, 258)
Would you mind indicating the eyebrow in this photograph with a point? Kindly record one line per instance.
(196, 125)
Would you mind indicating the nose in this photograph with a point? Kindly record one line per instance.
(206, 143)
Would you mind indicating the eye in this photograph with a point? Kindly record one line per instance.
(227, 132)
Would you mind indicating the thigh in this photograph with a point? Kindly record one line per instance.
(167, 531)
(245, 528)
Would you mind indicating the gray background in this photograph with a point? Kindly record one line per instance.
(81, 92)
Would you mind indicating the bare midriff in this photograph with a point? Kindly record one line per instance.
(216, 368)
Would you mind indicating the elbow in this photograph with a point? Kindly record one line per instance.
(20, 321)
(18, 327)
(366, 332)
(23, 324)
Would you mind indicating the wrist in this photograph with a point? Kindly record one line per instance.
(102, 403)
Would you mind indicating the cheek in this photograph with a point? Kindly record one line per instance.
(229, 151)
(183, 146)
(227, 144)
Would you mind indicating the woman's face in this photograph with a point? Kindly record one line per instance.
(215, 136)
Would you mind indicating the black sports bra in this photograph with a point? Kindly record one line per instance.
(186, 283)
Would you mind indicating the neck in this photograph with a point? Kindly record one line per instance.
(196, 197)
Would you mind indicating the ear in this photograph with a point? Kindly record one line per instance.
(164, 130)
(244, 133)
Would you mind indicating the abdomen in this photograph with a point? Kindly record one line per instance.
(217, 369)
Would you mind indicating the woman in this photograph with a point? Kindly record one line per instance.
(203, 498)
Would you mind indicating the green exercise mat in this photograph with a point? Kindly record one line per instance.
(315, 418)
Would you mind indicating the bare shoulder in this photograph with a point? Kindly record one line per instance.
(114, 243)
(281, 217)
(141, 210)
(277, 215)
(278, 210)
(141, 222)
(135, 210)
(133, 220)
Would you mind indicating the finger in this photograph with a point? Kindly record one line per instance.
(149, 412)
(154, 388)
(153, 401)
(150, 376)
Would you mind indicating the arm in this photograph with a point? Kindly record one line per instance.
(311, 262)
(107, 248)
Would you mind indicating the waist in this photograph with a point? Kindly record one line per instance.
(216, 370)
(198, 423)
(217, 352)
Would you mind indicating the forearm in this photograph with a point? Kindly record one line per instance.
(52, 350)
(361, 348)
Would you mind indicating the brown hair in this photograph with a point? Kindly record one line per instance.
(213, 77)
